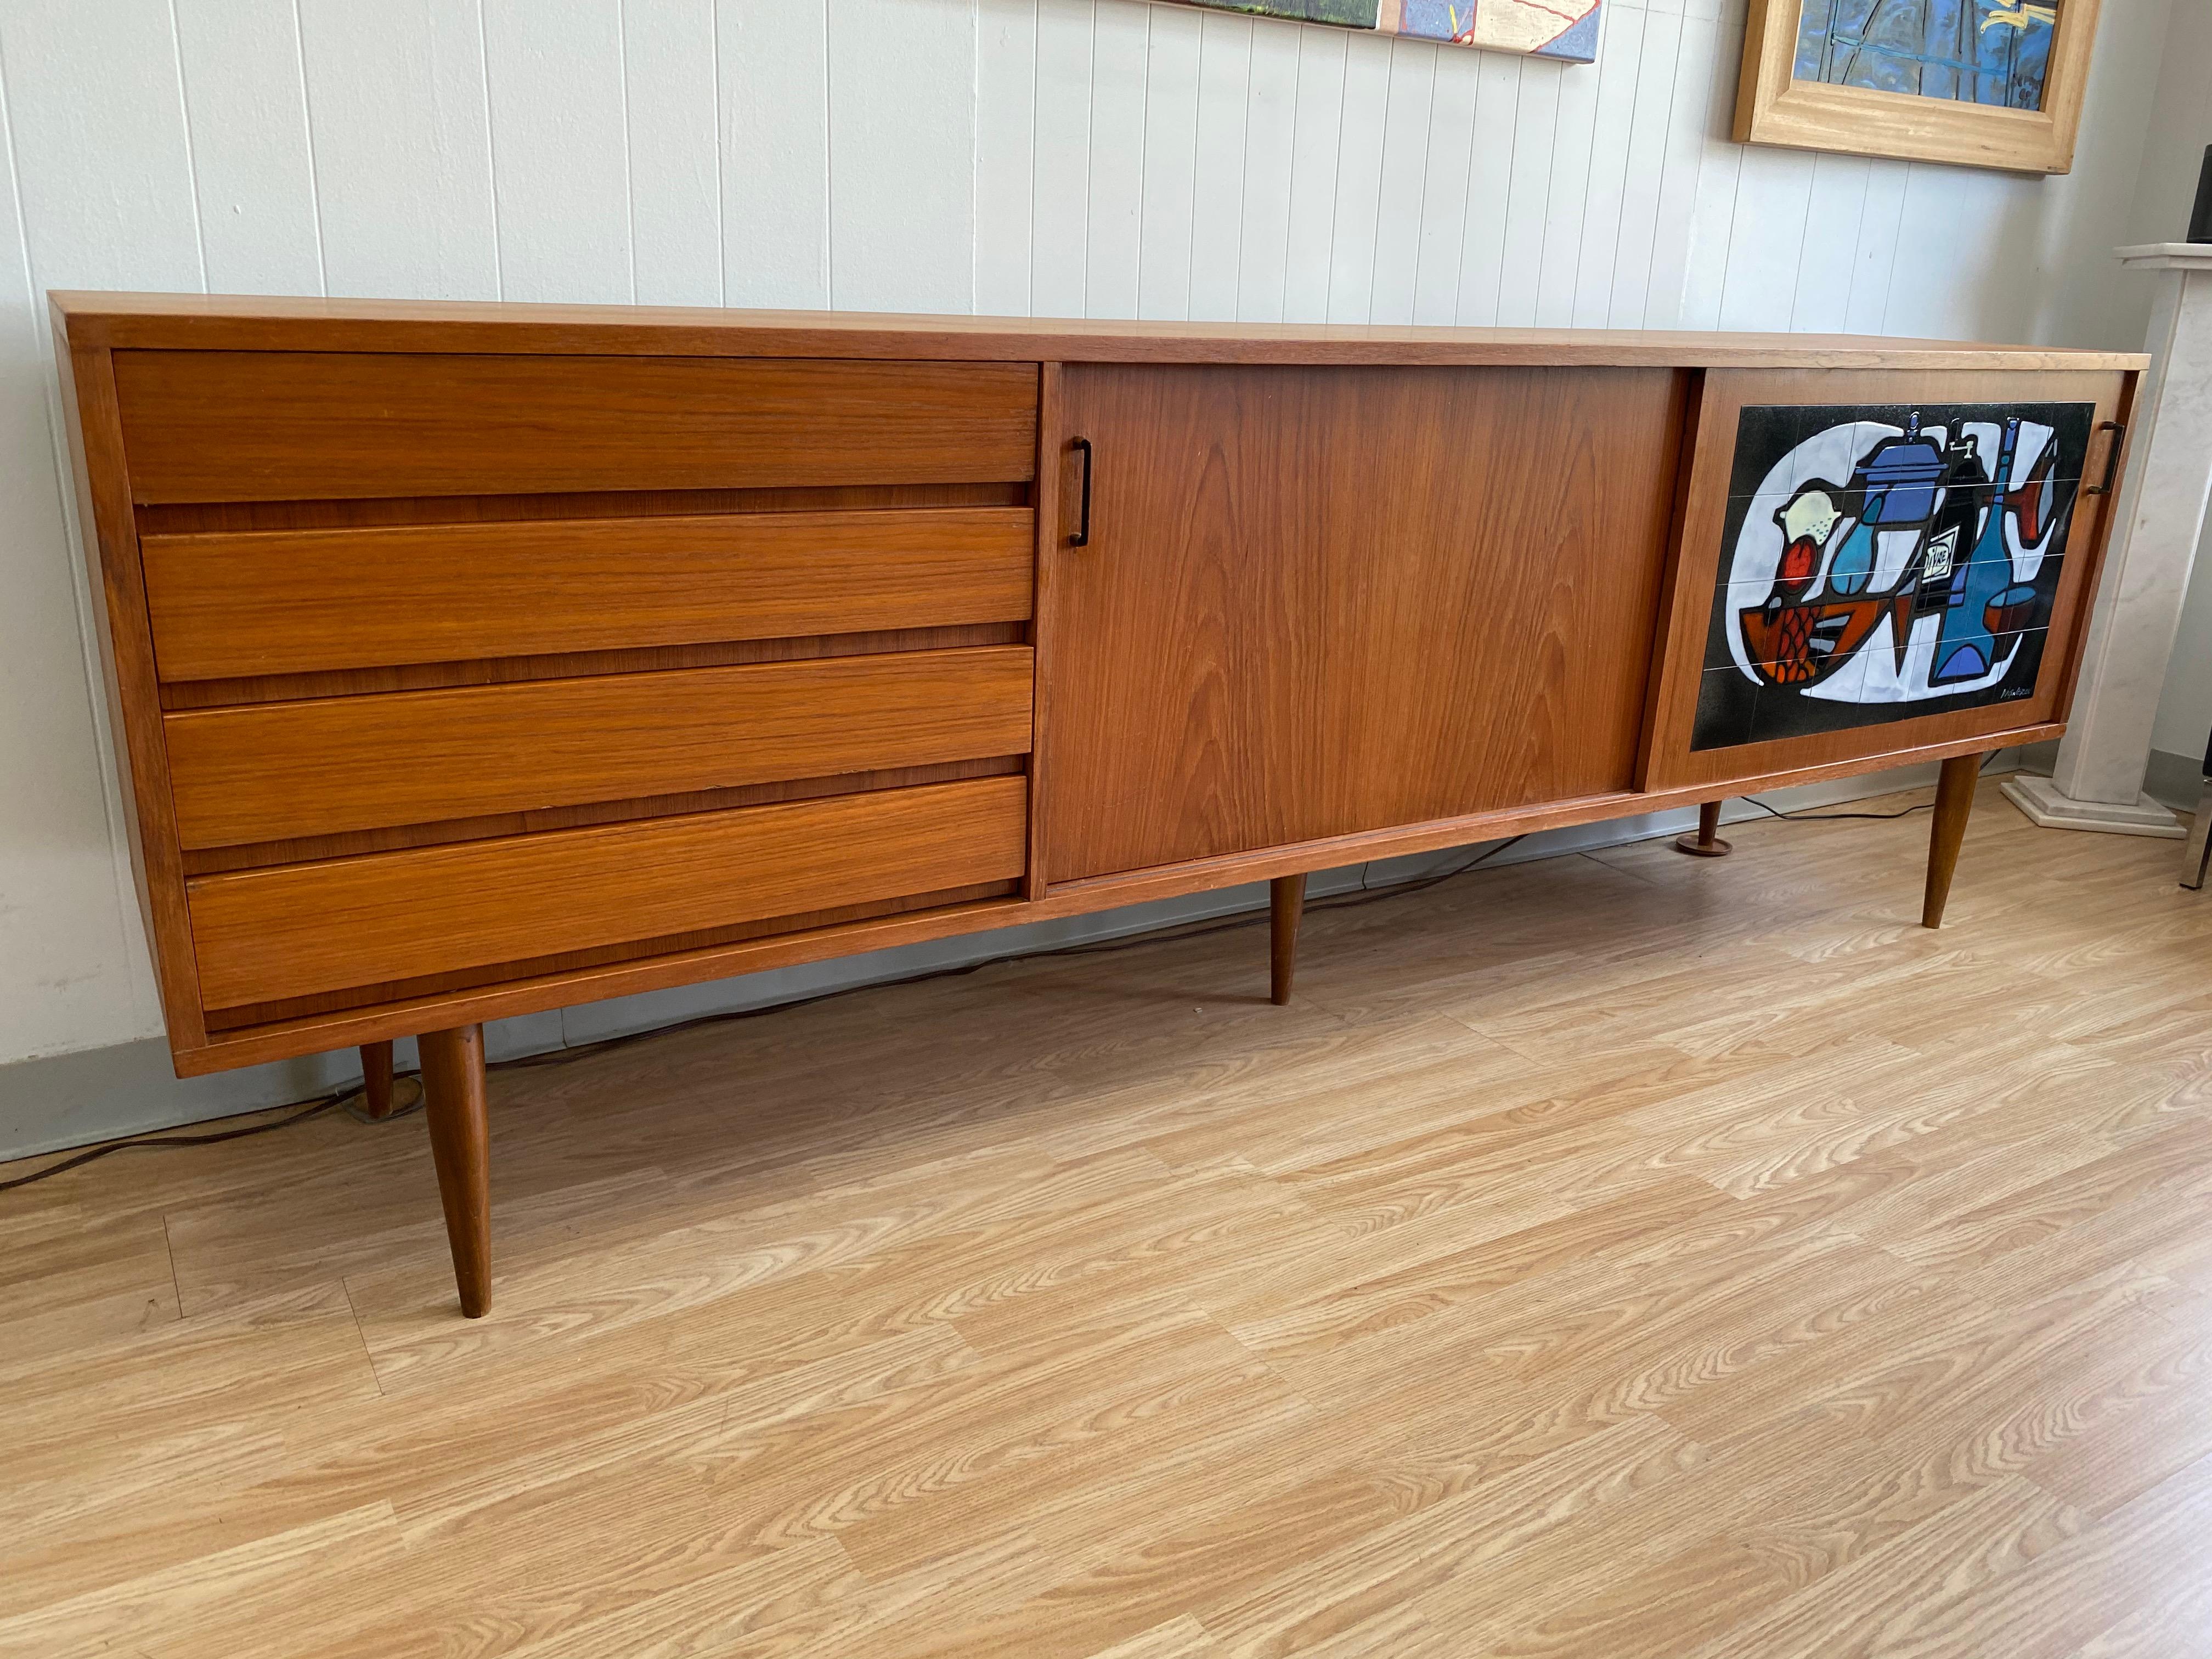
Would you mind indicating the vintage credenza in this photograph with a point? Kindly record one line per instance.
(467, 661)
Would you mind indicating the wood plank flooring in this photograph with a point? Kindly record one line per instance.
(1623, 1254)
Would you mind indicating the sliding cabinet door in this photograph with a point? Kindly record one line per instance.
(1314, 601)
(1877, 560)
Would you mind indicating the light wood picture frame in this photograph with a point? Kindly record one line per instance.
(1776, 103)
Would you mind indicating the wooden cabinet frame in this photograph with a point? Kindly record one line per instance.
(846, 441)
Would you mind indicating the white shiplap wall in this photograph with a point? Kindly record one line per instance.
(1095, 157)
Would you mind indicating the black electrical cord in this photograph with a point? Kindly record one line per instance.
(1879, 818)
(306, 1109)
(311, 1108)
(1363, 895)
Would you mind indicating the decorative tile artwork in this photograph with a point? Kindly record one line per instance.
(1561, 28)
(1883, 562)
(1974, 51)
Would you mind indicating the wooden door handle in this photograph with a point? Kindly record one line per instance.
(1082, 536)
(2112, 458)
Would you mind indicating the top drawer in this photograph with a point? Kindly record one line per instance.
(237, 426)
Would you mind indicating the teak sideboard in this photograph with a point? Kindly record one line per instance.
(469, 660)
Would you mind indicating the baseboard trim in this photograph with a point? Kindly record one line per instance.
(66, 1101)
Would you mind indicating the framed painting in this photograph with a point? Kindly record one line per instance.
(1561, 29)
(1991, 83)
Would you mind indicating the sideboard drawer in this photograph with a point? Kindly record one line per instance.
(261, 771)
(297, 929)
(248, 426)
(226, 605)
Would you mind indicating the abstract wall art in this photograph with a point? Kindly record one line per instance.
(1881, 562)
(1564, 29)
(1982, 82)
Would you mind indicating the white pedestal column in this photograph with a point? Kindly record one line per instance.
(2158, 518)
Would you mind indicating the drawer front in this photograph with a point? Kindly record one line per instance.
(264, 772)
(225, 426)
(226, 606)
(298, 929)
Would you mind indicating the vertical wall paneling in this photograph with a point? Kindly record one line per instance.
(1311, 233)
(1696, 67)
(1924, 232)
(1060, 157)
(396, 108)
(253, 170)
(560, 148)
(1444, 189)
(1619, 86)
(1645, 176)
(2007, 256)
(103, 159)
(1875, 256)
(901, 155)
(1060, 215)
(1529, 202)
(1835, 201)
(1711, 204)
(1165, 233)
(774, 152)
(402, 148)
(1225, 97)
(99, 191)
(1271, 113)
(1005, 153)
(1353, 225)
(1758, 277)
(1566, 189)
(73, 963)
(1948, 270)
(1403, 182)
(1121, 37)
(1489, 186)
(671, 124)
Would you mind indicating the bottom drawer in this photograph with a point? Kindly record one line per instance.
(263, 934)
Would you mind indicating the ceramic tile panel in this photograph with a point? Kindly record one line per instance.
(2014, 596)
(1728, 704)
(1880, 562)
(1862, 693)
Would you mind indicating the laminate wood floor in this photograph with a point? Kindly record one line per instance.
(1623, 1254)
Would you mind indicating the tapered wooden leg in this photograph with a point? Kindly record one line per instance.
(1955, 800)
(460, 1142)
(376, 1079)
(1706, 843)
(1286, 904)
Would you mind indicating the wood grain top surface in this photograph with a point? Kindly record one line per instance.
(126, 321)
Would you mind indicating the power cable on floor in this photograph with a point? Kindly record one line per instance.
(1834, 818)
